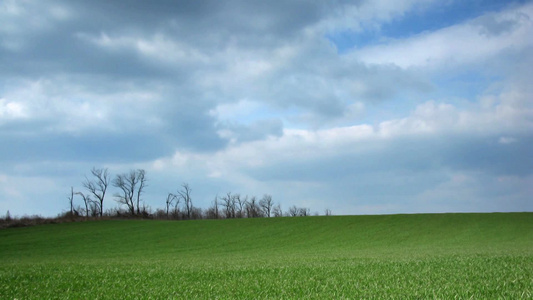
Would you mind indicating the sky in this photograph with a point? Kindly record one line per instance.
(360, 107)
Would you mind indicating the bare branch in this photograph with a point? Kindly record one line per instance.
(98, 186)
(132, 186)
(86, 200)
(185, 194)
(71, 201)
(141, 178)
(266, 204)
(170, 199)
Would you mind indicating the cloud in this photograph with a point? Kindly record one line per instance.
(26, 18)
(220, 56)
(359, 16)
(433, 137)
(403, 164)
(472, 42)
(12, 110)
(60, 118)
(256, 98)
(158, 50)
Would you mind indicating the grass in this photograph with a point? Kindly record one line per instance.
(396, 256)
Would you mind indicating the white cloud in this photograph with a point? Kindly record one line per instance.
(369, 15)
(65, 106)
(429, 119)
(268, 106)
(12, 110)
(456, 45)
(510, 111)
(410, 164)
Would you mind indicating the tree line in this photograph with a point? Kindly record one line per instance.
(130, 186)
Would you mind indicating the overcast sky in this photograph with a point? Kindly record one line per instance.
(361, 107)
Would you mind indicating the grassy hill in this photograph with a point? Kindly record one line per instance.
(424, 254)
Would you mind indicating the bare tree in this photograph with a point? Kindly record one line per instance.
(94, 208)
(98, 186)
(131, 185)
(8, 217)
(276, 211)
(196, 213)
(142, 184)
(304, 212)
(170, 199)
(327, 212)
(293, 211)
(252, 209)
(71, 201)
(185, 195)
(228, 202)
(266, 204)
(126, 198)
(176, 211)
(127, 185)
(87, 201)
(215, 205)
(212, 211)
(240, 204)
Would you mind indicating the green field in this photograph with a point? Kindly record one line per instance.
(444, 256)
